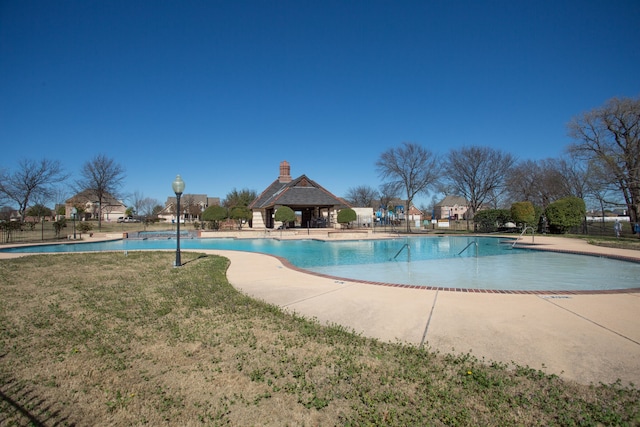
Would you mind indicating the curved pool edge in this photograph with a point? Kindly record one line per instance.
(542, 243)
(564, 245)
(287, 264)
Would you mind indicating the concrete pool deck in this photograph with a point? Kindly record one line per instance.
(587, 338)
(584, 337)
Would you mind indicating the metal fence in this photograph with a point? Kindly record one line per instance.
(605, 229)
(15, 232)
(30, 232)
(400, 226)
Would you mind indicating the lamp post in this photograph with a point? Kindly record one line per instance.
(178, 188)
(74, 211)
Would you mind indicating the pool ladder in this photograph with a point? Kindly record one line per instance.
(475, 242)
(406, 245)
(533, 232)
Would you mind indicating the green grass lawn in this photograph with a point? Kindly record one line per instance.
(108, 339)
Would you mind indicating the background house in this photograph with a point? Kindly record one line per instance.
(451, 207)
(88, 206)
(191, 207)
(415, 215)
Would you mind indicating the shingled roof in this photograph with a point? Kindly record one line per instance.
(299, 192)
(90, 196)
(452, 201)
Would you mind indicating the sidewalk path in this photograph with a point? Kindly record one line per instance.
(588, 338)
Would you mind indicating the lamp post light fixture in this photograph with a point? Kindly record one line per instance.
(178, 188)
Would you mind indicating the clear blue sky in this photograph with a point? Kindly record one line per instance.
(222, 91)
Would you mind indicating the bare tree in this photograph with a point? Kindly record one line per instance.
(410, 168)
(610, 135)
(136, 199)
(103, 177)
(60, 194)
(523, 182)
(143, 206)
(542, 182)
(478, 173)
(575, 177)
(388, 193)
(190, 207)
(601, 190)
(31, 180)
(5, 213)
(576, 180)
(497, 199)
(529, 181)
(3, 195)
(147, 207)
(362, 195)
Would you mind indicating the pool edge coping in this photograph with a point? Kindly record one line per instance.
(521, 245)
(288, 264)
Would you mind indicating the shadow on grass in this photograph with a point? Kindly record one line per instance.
(195, 259)
(20, 405)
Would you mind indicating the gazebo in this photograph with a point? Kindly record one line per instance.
(315, 206)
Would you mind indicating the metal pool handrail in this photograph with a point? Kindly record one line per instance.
(406, 245)
(533, 232)
(475, 242)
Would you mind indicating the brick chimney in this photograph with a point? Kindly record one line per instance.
(285, 172)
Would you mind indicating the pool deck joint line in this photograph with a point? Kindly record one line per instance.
(589, 320)
(426, 328)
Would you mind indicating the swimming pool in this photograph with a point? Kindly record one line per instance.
(465, 262)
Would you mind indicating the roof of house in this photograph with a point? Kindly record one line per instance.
(453, 201)
(197, 199)
(89, 196)
(301, 191)
(201, 199)
(414, 211)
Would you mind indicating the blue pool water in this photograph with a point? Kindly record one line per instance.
(442, 261)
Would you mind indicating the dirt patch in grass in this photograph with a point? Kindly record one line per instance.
(108, 339)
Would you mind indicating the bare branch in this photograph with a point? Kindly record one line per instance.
(478, 173)
(410, 168)
(31, 180)
(103, 177)
(610, 137)
(362, 195)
